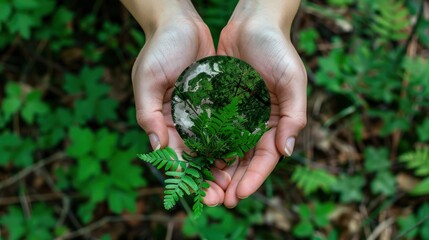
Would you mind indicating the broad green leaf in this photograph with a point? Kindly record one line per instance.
(82, 142)
(23, 155)
(106, 109)
(304, 212)
(15, 149)
(350, 188)
(87, 167)
(98, 188)
(10, 106)
(384, 183)
(25, 4)
(5, 11)
(422, 188)
(120, 201)
(406, 223)
(21, 23)
(12, 102)
(307, 40)
(85, 211)
(124, 174)
(33, 106)
(105, 144)
(14, 222)
(376, 159)
(322, 212)
(303, 229)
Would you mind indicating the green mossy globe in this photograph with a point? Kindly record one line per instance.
(210, 84)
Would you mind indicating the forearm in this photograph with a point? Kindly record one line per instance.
(151, 14)
(281, 12)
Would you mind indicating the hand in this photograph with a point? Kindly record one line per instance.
(171, 46)
(256, 38)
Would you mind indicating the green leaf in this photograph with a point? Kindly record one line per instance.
(307, 40)
(322, 212)
(16, 150)
(376, 159)
(87, 167)
(14, 222)
(33, 106)
(418, 160)
(384, 183)
(406, 223)
(120, 201)
(5, 11)
(12, 102)
(421, 188)
(304, 212)
(98, 188)
(350, 188)
(124, 174)
(311, 180)
(423, 131)
(22, 23)
(106, 110)
(82, 142)
(85, 211)
(303, 229)
(10, 106)
(166, 158)
(25, 4)
(340, 3)
(23, 155)
(105, 144)
(423, 213)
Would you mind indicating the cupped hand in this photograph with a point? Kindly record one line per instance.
(168, 51)
(267, 47)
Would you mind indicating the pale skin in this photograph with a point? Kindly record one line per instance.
(258, 33)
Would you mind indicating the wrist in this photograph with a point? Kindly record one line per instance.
(278, 13)
(154, 14)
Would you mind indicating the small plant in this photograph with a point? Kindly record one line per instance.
(219, 107)
(218, 136)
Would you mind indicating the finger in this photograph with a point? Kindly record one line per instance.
(222, 178)
(220, 164)
(231, 198)
(214, 195)
(291, 92)
(149, 90)
(262, 164)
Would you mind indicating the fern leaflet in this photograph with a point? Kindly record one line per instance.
(417, 160)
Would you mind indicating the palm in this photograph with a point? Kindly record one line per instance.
(274, 57)
(166, 54)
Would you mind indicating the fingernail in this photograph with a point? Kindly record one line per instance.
(290, 144)
(154, 141)
(242, 198)
(217, 204)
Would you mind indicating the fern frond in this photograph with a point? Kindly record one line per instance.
(310, 180)
(180, 183)
(198, 199)
(391, 21)
(166, 158)
(417, 160)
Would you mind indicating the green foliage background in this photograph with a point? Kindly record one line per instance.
(69, 139)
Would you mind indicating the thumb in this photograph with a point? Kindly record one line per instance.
(292, 97)
(149, 94)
